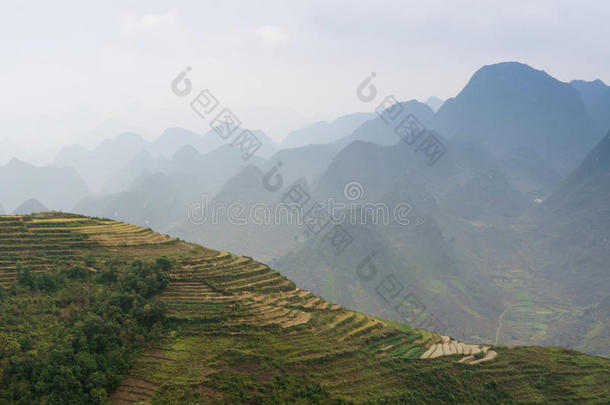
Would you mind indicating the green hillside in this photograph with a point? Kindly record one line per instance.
(98, 311)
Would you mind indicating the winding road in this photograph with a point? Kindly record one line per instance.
(499, 328)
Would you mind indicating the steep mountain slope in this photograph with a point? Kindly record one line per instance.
(325, 132)
(511, 106)
(376, 167)
(397, 217)
(59, 188)
(573, 246)
(575, 222)
(243, 217)
(461, 251)
(554, 278)
(230, 330)
(486, 194)
(596, 96)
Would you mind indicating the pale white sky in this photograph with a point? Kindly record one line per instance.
(67, 67)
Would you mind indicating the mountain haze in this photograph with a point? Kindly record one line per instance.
(510, 106)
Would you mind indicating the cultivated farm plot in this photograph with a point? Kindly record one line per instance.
(236, 327)
(40, 241)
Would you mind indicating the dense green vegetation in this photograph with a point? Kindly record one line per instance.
(128, 316)
(68, 335)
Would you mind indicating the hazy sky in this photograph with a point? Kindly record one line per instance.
(69, 66)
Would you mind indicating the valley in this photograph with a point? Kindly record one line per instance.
(330, 203)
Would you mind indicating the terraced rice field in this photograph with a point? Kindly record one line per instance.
(238, 330)
(245, 296)
(40, 241)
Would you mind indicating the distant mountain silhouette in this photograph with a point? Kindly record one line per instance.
(154, 199)
(324, 132)
(106, 167)
(376, 167)
(212, 142)
(380, 132)
(306, 162)
(60, 188)
(213, 169)
(172, 139)
(232, 219)
(596, 96)
(30, 206)
(141, 164)
(164, 189)
(435, 103)
(511, 106)
(97, 165)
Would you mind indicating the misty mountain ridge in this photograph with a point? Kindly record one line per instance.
(596, 96)
(435, 103)
(510, 106)
(381, 132)
(59, 187)
(30, 206)
(511, 136)
(98, 166)
(324, 132)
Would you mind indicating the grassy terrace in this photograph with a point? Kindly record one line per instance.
(238, 332)
(41, 241)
